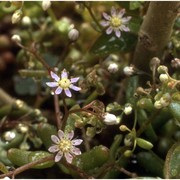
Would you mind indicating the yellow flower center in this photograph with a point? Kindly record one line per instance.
(65, 145)
(115, 21)
(64, 83)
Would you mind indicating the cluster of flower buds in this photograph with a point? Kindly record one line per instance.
(175, 63)
(129, 70)
(162, 101)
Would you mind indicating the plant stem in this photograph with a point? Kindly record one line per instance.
(27, 166)
(57, 111)
(155, 32)
(93, 16)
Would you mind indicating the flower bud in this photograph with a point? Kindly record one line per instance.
(26, 21)
(124, 128)
(16, 38)
(128, 109)
(175, 63)
(129, 140)
(6, 178)
(162, 69)
(110, 119)
(128, 153)
(73, 34)
(128, 70)
(46, 4)
(91, 131)
(154, 63)
(158, 105)
(163, 78)
(113, 68)
(16, 16)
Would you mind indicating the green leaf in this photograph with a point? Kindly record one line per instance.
(25, 86)
(151, 163)
(135, 4)
(174, 107)
(21, 157)
(172, 165)
(107, 44)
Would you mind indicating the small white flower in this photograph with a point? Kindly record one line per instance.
(73, 34)
(110, 119)
(46, 4)
(6, 178)
(113, 68)
(26, 21)
(65, 146)
(63, 83)
(129, 70)
(128, 109)
(116, 22)
(16, 16)
(16, 38)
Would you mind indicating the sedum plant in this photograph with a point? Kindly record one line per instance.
(89, 90)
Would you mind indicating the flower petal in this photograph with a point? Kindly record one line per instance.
(75, 88)
(58, 156)
(121, 13)
(58, 90)
(76, 142)
(105, 23)
(68, 157)
(53, 148)
(106, 16)
(113, 11)
(55, 139)
(68, 92)
(61, 134)
(124, 28)
(76, 151)
(70, 135)
(126, 19)
(109, 30)
(74, 80)
(64, 74)
(55, 76)
(52, 84)
(117, 32)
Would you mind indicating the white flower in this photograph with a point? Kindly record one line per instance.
(65, 146)
(6, 178)
(63, 83)
(110, 119)
(46, 4)
(116, 22)
(129, 70)
(16, 38)
(26, 21)
(128, 109)
(113, 68)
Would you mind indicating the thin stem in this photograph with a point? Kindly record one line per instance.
(64, 54)
(57, 111)
(34, 52)
(135, 119)
(93, 16)
(27, 166)
(52, 15)
(128, 173)
(81, 173)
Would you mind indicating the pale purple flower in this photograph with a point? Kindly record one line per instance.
(63, 83)
(115, 22)
(65, 146)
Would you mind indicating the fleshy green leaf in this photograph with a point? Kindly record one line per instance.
(172, 165)
(107, 44)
